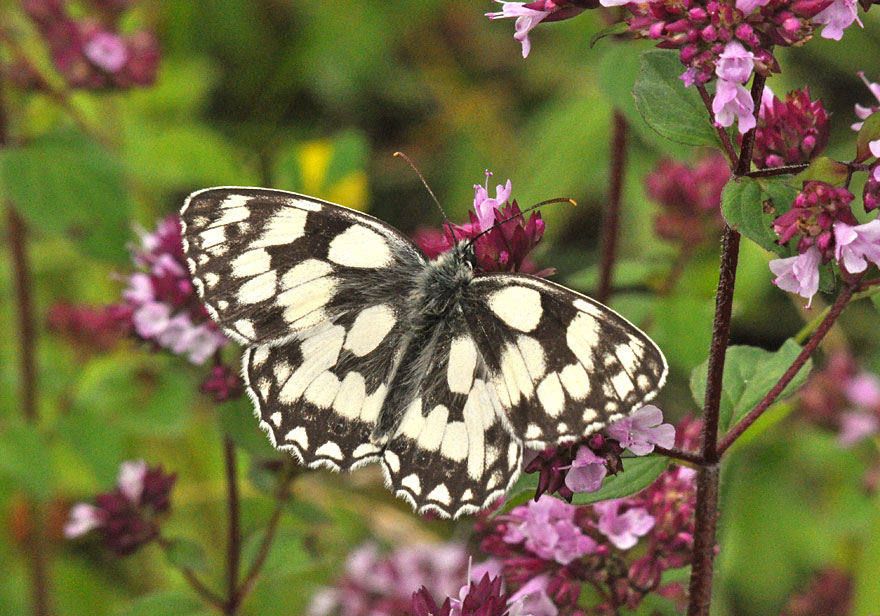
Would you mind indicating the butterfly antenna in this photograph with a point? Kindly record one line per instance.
(522, 213)
(430, 192)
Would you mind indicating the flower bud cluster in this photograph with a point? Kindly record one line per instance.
(690, 196)
(87, 327)
(843, 397)
(128, 517)
(790, 132)
(582, 466)
(160, 303)
(703, 29)
(555, 548)
(502, 246)
(90, 53)
(377, 585)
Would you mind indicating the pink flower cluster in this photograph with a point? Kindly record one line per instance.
(160, 302)
(92, 328)
(825, 228)
(871, 194)
(91, 53)
(582, 466)
(845, 398)
(554, 548)
(504, 248)
(377, 585)
(690, 196)
(789, 132)
(127, 517)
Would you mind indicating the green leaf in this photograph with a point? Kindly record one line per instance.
(64, 183)
(823, 169)
(637, 474)
(749, 373)
(186, 554)
(869, 132)
(184, 157)
(237, 420)
(751, 205)
(95, 440)
(616, 28)
(676, 112)
(26, 460)
(167, 603)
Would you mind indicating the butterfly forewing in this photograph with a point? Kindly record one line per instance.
(269, 263)
(563, 365)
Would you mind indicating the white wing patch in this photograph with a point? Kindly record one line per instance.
(369, 329)
(519, 307)
(359, 246)
(461, 365)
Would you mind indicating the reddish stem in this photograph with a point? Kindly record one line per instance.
(233, 544)
(612, 215)
(797, 364)
(722, 133)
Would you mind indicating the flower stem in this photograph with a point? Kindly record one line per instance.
(706, 511)
(233, 545)
(836, 309)
(774, 171)
(193, 580)
(722, 134)
(250, 578)
(27, 339)
(680, 454)
(612, 215)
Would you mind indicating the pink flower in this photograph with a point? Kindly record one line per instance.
(837, 18)
(548, 530)
(642, 430)
(735, 63)
(855, 426)
(83, 518)
(856, 245)
(485, 207)
(863, 390)
(526, 20)
(106, 51)
(131, 479)
(798, 274)
(587, 471)
(733, 101)
(747, 6)
(532, 599)
(151, 319)
(128, 516)
(623, 529)
(863, 112)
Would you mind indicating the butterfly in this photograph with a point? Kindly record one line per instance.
(360, 349)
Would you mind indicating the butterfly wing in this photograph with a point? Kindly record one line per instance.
(562, 365)
(270, 264)
(316, 289)
(450, 451)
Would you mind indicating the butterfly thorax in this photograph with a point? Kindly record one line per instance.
(444, 280)
(436, 306)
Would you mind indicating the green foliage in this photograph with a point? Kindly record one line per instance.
(751, 205)
(749, 373)
(667, 106)
(66, 183)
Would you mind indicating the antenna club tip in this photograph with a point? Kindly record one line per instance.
(398, 154)
(572, 201)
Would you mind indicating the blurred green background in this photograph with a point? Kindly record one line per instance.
(316, 97)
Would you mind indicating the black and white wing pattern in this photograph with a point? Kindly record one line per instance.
(361, 350)
(562, 364)
(269, 264)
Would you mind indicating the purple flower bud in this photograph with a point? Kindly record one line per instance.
(223, 384)
(106, 51)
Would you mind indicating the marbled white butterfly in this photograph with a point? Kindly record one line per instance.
(360, 349)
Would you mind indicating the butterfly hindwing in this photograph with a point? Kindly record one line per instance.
(450, 451)
(268, 263)
(563, 365)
